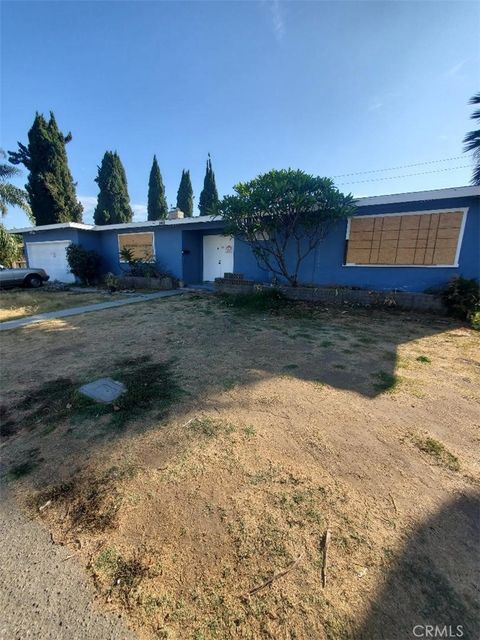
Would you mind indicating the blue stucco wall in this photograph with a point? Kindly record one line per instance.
(325, 265)
(193, 256)
(168, 248)
(45, 236)
(193, 243)
(179, 249)
(54, 234)
(170, 243)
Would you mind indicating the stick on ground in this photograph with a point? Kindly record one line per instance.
(326, 541)
(276, 576)
(393, 502)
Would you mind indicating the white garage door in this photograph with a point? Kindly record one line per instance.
(52, 257)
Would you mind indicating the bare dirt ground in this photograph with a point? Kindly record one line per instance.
(262, 432)
(18, 303)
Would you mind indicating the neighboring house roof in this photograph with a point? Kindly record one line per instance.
(395, 198)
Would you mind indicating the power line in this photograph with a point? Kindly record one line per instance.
(405, 166)
(407, 175)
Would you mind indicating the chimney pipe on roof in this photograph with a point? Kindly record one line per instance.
(176, 214)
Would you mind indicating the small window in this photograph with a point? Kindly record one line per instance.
(426, 239)
(140, 244)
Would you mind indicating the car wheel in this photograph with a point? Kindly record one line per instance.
(33, 281)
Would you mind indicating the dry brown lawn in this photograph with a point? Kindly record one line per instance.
(18, 303)
(365, 423)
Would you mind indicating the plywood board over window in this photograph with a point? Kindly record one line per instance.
(423, 239)
(140, 244)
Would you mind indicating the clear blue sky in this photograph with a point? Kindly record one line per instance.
(328, 87)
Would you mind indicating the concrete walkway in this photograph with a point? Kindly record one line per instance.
(44, 594)
(75, 311)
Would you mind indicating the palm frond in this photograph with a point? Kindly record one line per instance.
(11, 196)
(472, 141)
(7, 171)
(476, 174)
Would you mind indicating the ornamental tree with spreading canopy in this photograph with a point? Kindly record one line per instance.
(284, 216)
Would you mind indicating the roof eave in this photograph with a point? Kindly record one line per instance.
(394, 198)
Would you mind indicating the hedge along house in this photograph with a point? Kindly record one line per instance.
(410, 242)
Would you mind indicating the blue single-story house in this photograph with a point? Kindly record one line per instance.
(409, 241)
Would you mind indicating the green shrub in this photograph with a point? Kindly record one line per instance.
(10, 248)
(110, 280)
(256, 302)
(139, 268)
(462, 298)
(475, 320)
(83, 263)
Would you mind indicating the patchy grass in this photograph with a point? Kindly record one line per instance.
(386, 382)
(148, 384)
(436, 450)
(91, 502)
(120, 578)
(423, 359)
(8, 426)
(18, 303)
(215, 506)
(22, 469)
(257, 302)
(106, 560)
(208, 427)
(29, 461)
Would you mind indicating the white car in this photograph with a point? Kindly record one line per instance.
(22, 277)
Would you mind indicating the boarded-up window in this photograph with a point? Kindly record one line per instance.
(140, 244)
(423, 239)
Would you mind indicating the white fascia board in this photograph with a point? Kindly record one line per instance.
(417, 196)
(51, 227)
(156, 223)
(112, 227)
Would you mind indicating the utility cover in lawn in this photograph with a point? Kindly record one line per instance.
(103, 390)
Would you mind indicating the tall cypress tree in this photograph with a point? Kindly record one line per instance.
(50, 186)
(209, 196)
(185, 195)
(157, 202)
(113, 204)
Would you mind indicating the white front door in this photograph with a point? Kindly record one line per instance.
(51, 256)
(217, 257)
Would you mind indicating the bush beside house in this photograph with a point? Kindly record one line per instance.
(84, 264)
(462, 299)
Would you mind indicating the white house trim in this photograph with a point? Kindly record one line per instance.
(28, 244)
(418, 196)
(155, 223)
(464, 211)
(50, 227)
(112, 227)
